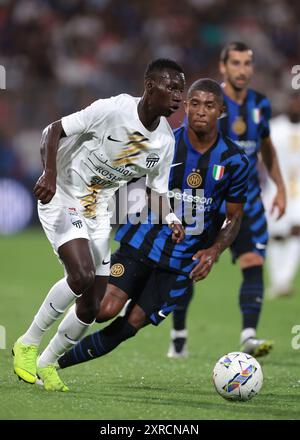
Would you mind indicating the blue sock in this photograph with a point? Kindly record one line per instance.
(251, 295)
(180, 313)
(99, 343)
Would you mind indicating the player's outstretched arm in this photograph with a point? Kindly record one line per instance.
(45, 187)
(227, 234)
(270, 160)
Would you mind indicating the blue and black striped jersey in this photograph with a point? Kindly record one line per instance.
(247, 124)
(198, 183)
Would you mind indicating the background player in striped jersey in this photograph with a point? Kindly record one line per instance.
(247, 123)
(284, 247)
(149, 268)
(87, 156)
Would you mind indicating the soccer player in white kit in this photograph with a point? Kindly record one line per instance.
(87, 156)
(284, 246)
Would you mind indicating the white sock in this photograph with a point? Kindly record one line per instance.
(69, 332)
(247, 333)
(179, 333)
(56, 302)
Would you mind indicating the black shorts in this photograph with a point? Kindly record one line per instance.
(156, 290)
(248, 241)
(253, 233)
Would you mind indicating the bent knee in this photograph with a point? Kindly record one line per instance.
(137, 317)
(112, 303)
(108, 311)
(250, 259)
(86, 312)
(81, 279)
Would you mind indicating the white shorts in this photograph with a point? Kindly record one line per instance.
(63, 223)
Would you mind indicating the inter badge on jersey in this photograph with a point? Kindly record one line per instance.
(239, 126)
(218, 171)
(194, 179)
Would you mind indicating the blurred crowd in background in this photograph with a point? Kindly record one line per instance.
(60, 55)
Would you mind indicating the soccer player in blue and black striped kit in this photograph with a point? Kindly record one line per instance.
(149, 268)
(247, 123)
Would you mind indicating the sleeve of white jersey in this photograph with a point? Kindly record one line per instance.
(158, 180)
(86, 120)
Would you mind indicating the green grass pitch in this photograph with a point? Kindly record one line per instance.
(137, 381)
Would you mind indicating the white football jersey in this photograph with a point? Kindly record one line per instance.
(286, 138)
(107, 146)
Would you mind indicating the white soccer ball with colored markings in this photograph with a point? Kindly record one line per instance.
(237, 376)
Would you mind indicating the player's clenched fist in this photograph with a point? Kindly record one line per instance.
(177, 232)
(45, 187)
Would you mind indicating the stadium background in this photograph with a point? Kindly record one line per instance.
(59, 56)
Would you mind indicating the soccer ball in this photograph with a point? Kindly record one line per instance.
(237, 376)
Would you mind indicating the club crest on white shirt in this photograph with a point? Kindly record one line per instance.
(152, 160)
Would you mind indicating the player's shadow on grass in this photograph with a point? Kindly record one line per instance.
(135, 395)
(284, 363)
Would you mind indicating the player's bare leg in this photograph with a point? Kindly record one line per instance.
(60, 296)
(85, 308)
(112, 303)
(104, 341)
(25, 350)
(79, 265)
(80, 280)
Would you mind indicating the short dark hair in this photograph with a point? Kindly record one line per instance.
(206, 85)
(235, 45)
(161, 64)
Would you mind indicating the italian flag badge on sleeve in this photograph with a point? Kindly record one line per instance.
(256, 114)
(218, 172)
